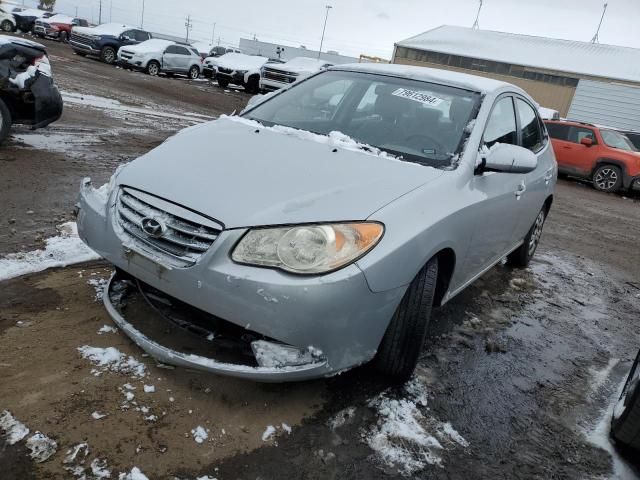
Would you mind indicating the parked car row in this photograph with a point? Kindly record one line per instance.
(42, 23)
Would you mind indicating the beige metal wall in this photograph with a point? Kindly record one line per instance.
(548, 95)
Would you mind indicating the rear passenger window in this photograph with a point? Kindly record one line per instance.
(171, 49)
(558, 131)
(182, 51)
(576, 134)
(501, 127)
(530, 129)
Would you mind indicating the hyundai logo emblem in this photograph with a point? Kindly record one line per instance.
(153, 227)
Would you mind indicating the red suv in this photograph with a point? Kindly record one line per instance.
(603, 155)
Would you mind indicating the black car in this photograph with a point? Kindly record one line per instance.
(105, 40)
(26, 19)
(28, 95)
(634, 137)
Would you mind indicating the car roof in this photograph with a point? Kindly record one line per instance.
(21, 41)
(432, 75)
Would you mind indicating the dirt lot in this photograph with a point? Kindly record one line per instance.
(516, 381)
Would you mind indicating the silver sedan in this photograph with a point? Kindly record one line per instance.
(318, 229)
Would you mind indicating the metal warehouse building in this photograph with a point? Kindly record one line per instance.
(587, 82)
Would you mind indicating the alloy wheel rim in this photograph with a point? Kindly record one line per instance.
(606, 179)
(194, 74)
(536, 234)
(153, 69)
(108, 56)
(6, 26)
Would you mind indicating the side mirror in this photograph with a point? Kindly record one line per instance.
(508, 158)
(586, 141)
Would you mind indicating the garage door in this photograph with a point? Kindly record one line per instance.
(609, 104)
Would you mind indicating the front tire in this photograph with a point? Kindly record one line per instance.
(402, 343)
(63, 37)
(625, 421)
(6, 26)
(253, 85)
(108, 55)
(521, 257)
(194, 73)
(153, 68)
(223, 82)
(607, 178)
(5, 121)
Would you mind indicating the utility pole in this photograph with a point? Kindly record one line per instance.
(100, 14)
(142, 19)
(213, 34)
(476, 25)
(189, 26)
(595, 38)
(76, 12)
(324, 29)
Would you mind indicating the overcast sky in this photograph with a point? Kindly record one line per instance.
(366, 26)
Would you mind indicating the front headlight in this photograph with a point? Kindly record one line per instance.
(308, 249)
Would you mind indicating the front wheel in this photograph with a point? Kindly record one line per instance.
(607, 178)
(194, 73)
(5, 121)
(625, 421)
(224, 83)
(524, 253)
(63, 37)
(153, 68)
(6, 26)
(402, 343)
(253, 85)
(108, 55)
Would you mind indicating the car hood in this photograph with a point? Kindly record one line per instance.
(243, 176)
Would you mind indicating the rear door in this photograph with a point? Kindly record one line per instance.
(183, 57)
(170, 58)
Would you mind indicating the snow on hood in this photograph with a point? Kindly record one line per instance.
(30, 12)
(291, 178)
(150, 46)
(301, 64)
(240, 61)
(113, 29)
(59, 18)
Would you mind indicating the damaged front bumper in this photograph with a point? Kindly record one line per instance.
(319, 325)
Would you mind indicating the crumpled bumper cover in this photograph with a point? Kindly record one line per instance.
(336, 314)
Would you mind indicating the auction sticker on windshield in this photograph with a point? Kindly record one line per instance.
(421, 97)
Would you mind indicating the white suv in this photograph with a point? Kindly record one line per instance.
(274, 76)
(161, 56)
(7, 21)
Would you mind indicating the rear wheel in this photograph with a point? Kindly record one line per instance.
(108, 55)
(194, 72)
(223, 82)
(6, 26)
(607, 178)
(5, 121)
(625, 421)
(153, 68)
(403, 341)
(524, 253)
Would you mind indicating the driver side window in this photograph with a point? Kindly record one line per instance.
(501, 126)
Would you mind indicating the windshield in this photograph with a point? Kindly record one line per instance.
(417, 121)
(617, 140)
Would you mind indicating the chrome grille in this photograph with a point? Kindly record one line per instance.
(79, 38)
(279, 75)
(185, 238)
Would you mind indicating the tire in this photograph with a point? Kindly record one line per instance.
(153, 68)
(253, 85)
(5, 121)
(223, 82)
(521, 256)
(607, 178)
(207, 74)
(194, 73)
(82, 54)
(625, 421)
(6, 26)
(63, 37)
(402, 343)
(108, 55)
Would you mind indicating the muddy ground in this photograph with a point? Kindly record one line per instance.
(524, 365)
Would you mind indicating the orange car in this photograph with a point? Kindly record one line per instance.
(603, 155)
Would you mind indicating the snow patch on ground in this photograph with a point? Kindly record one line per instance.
(107, 329)
(269, 432)
(149, 388)
(111, 359)
(600, 377)
(98, 415)
(99, 285)
(134, 474)
(60, 251)
(404, 437)
(13, 429)
(41, 446)
(200, 434)
(342, 417)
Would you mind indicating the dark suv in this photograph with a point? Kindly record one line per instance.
(105, 40)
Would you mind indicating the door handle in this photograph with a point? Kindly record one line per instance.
(521, 189)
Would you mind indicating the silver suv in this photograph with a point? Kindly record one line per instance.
(161, 56)
(333, 216)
